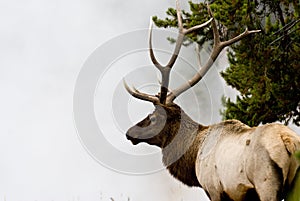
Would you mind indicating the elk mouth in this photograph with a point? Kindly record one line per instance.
(133, 140)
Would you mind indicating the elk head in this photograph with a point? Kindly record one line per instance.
(157, 128)
(160, 127)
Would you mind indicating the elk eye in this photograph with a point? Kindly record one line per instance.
(153, 119)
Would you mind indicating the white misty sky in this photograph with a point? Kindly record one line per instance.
(44, 44)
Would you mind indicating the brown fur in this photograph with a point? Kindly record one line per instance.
(183, 168)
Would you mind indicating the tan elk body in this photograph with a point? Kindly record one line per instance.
(229, 160)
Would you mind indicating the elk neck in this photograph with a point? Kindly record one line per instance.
(180, 151)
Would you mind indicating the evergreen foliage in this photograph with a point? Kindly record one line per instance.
(265, 67)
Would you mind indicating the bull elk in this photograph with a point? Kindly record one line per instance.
(229, 160)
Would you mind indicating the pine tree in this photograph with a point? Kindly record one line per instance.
(264, 68)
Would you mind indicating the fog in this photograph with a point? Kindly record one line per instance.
(45, 45)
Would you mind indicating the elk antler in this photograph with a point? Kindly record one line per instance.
(217, 48)
(166, 96)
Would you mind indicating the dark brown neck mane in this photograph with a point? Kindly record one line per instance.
(179, 156)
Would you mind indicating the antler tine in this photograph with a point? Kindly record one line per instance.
(214, 27)
(180, 37)
(217, 48)
(182, 33)
(198, 50)
(239, 37)
(178, 45)
(152, 56)
(139, 95)
(179, 41)
(194, 28)
(179, 19)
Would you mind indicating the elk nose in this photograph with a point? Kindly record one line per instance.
(128, 136)
(134, 140)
